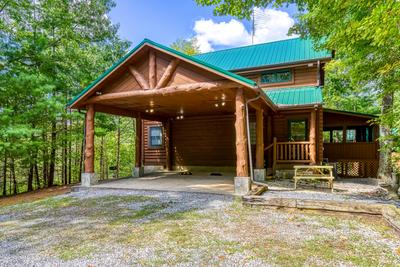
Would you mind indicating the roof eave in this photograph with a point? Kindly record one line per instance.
(299, 106)
(285, 64)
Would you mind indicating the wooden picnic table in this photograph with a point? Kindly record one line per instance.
(314, 172)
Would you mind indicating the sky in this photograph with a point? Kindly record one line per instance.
(164, 21)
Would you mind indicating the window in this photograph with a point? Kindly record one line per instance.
(337, 136)
(277, 76)
(359, 134)
(298, 130)
(156, 136)
(333, 135)
(351, 135)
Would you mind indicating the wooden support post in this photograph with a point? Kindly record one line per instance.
(167, 131)
(89, 139)
(344, 134)
(313, 140)
(259, 139)
(152, 70)
(242, 158)
(138, 142)
(269, 140)
(274, 151)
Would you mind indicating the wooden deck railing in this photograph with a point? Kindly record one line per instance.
(290, 152)
(293, 152)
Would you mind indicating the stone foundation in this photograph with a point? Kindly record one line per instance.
(259, 175)
(242, 185)
(88, 179)
(137, 172)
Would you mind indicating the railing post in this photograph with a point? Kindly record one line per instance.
(274, 157)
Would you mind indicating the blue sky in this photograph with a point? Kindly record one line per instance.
(165, 21)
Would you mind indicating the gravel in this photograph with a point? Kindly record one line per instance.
(78, 229)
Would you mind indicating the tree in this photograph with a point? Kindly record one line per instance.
(187, 46)
(49, 51)
(365, 37)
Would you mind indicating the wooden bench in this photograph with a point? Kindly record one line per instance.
(314, 172)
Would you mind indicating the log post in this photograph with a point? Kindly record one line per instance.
(274, 151)
(89, 178)
(259, 171)
(89, 139)
(242, 180)
(167, 131)
(313, 140)
(138, 170)
(259, 139)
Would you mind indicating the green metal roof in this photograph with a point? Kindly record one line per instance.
(162, 47)
(350, 112)
(303, 95)
(273, 53)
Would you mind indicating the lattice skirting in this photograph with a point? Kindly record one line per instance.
(357, 168)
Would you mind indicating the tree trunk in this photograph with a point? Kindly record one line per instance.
(12, 175)
(102, 158)
(30, 177)
(65, 153)
(118, 147)
(5, 175)
(45, 160)
(50, 180)
(36, 172)
(386, 146)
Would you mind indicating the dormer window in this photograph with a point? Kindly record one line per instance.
(277, 76)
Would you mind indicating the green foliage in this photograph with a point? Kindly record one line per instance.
(50, 50)
(189, 47)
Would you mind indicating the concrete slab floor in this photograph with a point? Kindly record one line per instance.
(173, 181)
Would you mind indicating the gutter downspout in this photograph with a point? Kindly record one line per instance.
(249, 141)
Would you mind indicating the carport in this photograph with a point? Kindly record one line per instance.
(154, 83)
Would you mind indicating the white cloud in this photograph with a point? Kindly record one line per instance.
(270, 25)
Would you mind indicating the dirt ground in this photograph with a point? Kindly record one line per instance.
(35, 195)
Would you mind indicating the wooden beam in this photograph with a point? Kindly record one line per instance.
(259, 139)
(181, 88)
(242, 159)
(152, 70)
(139, 78)
(167, 75)
(89, 139)
(124, 112)
(167, 131)
(115, 111)
(138, 141)
(313, 139)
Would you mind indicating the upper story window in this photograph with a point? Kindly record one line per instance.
(155, 136)
(277, 76)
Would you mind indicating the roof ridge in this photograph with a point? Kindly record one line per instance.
(252, 45)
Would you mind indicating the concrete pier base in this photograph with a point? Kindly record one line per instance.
(242, 185)
(259, 175)
(137, 172)
(88, 179)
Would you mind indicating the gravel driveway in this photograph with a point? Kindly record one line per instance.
(144, 228)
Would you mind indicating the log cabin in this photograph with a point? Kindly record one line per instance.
(252, 110)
